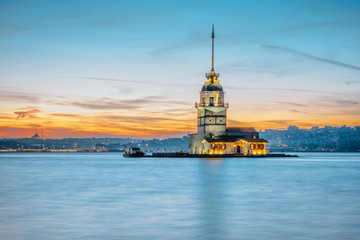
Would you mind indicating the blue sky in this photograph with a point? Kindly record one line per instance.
(280, 63)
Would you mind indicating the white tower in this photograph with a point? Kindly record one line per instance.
(212, 136)
(212, 108)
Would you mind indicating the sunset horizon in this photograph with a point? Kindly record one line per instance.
(102, 73)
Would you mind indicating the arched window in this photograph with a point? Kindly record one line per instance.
(211, 101)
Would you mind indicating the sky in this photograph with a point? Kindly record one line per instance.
(135, 68)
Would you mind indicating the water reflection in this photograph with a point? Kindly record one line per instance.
(212, 198)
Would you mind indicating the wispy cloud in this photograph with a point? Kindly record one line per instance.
(347, 102)
(28, 114)
(112, 79)
(13, 96)
(103, 118)
(327, 106)
(309, 56)
(136, 81)
(269, 123)
(351, 82)
(281, 89)
(127, 104)
(292, 103)
(140, 119)
(192, 39)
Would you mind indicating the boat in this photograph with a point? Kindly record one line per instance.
(133, 152)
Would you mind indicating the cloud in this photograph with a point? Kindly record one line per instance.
(66, 115)
(137, 81)
(12, 96)
(116, 104)
(326, 106)
(103, 105)
(140, 119)
(138, 124)
(101, 118)
(300, 26)
(347, 102)
(192, 39)
(28, 114)
(270, 123)
(112, 79)
(6, 117)
(351, 82)
(306, 55)
(279, 122)
(291, 103)
(176, 112)
(280, 89)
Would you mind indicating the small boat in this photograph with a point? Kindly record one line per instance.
(133, 152)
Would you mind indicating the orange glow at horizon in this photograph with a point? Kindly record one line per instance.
(154, 126)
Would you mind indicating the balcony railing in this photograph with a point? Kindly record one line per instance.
(209, 74)
(212, 105)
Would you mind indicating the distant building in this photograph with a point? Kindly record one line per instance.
(212, 136)
(36, 136)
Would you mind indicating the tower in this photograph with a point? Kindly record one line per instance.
(211, 111)
(212, 137)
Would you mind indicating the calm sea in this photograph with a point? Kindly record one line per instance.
(105, 196)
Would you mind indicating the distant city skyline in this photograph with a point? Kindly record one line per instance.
(135, 68)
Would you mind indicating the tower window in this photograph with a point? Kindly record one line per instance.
(211, 101)
(219, 100)
(203, 100)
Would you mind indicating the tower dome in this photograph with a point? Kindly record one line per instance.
(211, 87)
(212, 83)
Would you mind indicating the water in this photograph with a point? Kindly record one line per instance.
(104, 196)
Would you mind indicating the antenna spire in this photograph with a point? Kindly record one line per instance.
(212, 37)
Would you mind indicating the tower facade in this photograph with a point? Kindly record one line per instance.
(212, 108)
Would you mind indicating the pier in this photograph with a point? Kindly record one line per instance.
(187, 155)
